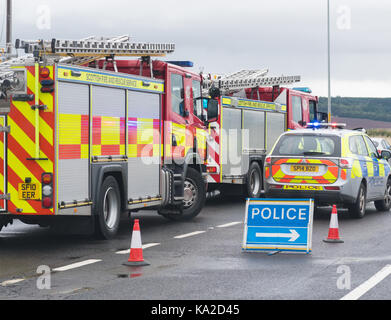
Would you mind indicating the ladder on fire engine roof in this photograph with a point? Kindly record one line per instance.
(247, 79)
(92, 48)
(81, 52)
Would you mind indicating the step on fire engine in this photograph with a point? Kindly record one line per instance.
(85, 135)
(254, 110)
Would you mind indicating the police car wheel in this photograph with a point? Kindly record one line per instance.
(385, 204)
(357, 210)
(254, 181)
(108, 209)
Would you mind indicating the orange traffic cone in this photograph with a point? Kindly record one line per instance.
(333, 236)
(136, 250)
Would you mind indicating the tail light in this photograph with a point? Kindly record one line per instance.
(47, 190)
(268, 161)
(46, 83)
(346, 163)
(44, 73)
(332, 188)
(211, 169)
(276, 186)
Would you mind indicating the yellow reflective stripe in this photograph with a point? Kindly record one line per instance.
(180, 133)
(356, 170)
(382, 171)
(315, 161)
(69, 129)
(370, 167)
(110, 131)
(144, 131)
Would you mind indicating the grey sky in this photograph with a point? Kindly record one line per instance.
(288, 36)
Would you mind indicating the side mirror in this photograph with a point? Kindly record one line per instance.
(302, 123)
(385, 154)
(214, 92)
(213, 110)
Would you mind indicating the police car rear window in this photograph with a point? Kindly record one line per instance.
(308, 145)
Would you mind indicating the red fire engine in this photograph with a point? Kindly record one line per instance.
(254, 111)
(82, 142)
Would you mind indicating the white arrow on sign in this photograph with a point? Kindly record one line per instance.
(293, 235)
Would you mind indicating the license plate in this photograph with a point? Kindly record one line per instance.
(29, 191)
(304, 168)
(301, 187)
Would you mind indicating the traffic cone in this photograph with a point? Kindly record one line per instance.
(136, 250)
(333, 236)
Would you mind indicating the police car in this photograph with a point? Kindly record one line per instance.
(331, 165)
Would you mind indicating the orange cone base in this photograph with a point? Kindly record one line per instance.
(136, 263)
(333, 240)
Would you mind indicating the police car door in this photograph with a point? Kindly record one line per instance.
(365, 164)
(376, 176)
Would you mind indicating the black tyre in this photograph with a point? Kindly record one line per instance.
(108, 210)
(357, 210)
(385, 204)
(254, 181)
(194, 197)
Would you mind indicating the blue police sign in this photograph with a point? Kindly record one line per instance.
(278, 225)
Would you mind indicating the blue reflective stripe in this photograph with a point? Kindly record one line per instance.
(364, 169)
(376, 168)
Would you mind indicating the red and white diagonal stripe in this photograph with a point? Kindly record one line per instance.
(214, 152)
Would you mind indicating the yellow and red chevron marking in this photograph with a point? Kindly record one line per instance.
(73, 136)
(21, 146)
(2, 157)
(108, 136)
(143, 137)
(329, 177)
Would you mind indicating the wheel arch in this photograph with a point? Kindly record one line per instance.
(100, 173)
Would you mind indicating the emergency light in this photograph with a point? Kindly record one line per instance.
(303, 89)
(317, 125)
(184, 64)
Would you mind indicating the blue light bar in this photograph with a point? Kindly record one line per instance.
(313, 125)
(303, 89)
(184, 64)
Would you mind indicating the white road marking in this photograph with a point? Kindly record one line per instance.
(189, 234)
(144, 246)
(11, 282)
(12, 232)
(229, 224)
(369, 284)
(77, 265)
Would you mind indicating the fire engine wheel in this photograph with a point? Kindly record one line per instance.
(254, 181)
(108, 209)
(385, 204)
(194, 197)
(357, 210)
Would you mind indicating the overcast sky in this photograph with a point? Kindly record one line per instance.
(287, 36)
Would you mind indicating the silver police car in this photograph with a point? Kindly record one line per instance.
(332, 166)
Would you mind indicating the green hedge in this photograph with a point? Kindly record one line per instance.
(364, 108)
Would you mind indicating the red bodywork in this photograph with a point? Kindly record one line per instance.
(308, 103)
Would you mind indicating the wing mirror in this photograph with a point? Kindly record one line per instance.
(385, 154)
(212, 109)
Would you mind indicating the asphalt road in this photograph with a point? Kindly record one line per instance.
(204, 262)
